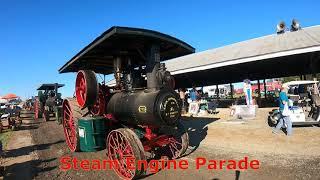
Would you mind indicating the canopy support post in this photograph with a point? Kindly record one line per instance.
(314, 76)
(231, 89)
(265, 89)
(217, 91)
(259, 94)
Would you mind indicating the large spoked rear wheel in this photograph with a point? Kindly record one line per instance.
(71, 113)
(178, 143)
(86, 88)
(123, 143)
(99, 106)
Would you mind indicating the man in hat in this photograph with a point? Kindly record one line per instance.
(284, 120)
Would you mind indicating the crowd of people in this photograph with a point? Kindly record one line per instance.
(192, 95)
(196, 97)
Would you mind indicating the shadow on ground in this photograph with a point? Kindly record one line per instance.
(28, 127)
(237, 176)
(197, 130)
(29, 124)
(28, 149)
(14, 171)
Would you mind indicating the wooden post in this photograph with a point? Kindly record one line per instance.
(217, 91)
(314, 76)
(304, 77)
(231, 89)
(259, 94)
(265, 89)
(301, 77)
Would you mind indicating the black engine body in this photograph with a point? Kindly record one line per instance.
(156, 108)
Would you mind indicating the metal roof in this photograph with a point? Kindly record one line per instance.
(49, 86)
(272, 56)
(126, 42)
(291, 53)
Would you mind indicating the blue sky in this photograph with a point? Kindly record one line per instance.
(38, 37)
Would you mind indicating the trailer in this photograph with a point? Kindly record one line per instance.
(142, 110)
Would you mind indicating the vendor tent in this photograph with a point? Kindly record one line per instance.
(10, 96)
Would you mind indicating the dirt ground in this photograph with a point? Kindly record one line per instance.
(35, 151)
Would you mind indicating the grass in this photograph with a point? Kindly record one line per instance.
(5, 136)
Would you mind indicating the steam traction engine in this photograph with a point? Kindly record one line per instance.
(48, 102)
(142, 111)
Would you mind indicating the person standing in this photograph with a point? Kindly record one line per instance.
(284, 120)
(182, 95)
(193, 94)
(193, 105)
(247, 91)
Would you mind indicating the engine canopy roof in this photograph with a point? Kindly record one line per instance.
(49, 86)
(125, 42)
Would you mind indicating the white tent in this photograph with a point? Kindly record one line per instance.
(3, 101)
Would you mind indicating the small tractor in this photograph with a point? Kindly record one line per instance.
(143, 111)
(48, 102)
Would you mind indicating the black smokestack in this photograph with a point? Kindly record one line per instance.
(153, 65)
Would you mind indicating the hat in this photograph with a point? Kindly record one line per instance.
(284, 87)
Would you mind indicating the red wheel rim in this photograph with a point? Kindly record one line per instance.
(99, 107)
(119, 149)
(81, 88)
(174, 147)
(69, 126)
